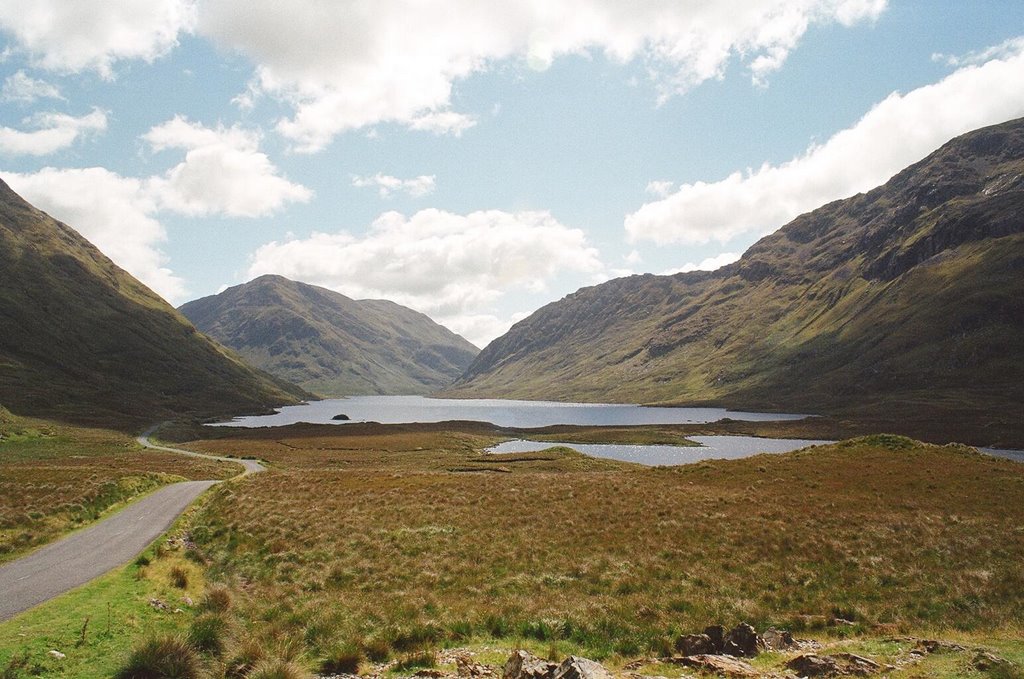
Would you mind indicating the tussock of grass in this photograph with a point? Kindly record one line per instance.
(161, 658)
(610, 560)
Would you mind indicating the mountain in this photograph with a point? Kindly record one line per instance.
(83, 341)
(904, 305)
(330, 344)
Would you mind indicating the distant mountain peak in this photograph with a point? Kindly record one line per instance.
(330, 343)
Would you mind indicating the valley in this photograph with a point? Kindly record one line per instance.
(385, 537)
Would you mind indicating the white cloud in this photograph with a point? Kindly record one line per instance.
(224, 172)
(94, 34)
(343, 66)
(659, 188)
(898, 131)
(443, 122)
(1004, 50)
(55, 131)
(23, 88)
(452, 267)
(417, 187)
(114, 213)
(708, 264)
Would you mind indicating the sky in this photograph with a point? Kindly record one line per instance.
(475, 159)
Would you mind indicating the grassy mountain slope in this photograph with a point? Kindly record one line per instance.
(904, 304)
(331, 344)
(83, 341)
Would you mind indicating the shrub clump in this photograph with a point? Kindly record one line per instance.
(217, 599)
(244, 658)
(342, 660)
(415, 660)
(277, 669)
(161, 658)
(207, 633)
(179, 577)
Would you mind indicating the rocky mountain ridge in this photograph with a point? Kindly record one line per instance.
(908, 298)
(83, 341)
(331, 344)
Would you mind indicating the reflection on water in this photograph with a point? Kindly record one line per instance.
(712, 447)
(524, 414)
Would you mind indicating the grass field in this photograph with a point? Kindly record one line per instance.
(55, 478)
(396, 541)
(365, 545)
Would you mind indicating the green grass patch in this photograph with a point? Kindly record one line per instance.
(94, 626)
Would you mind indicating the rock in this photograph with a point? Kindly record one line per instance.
(717, 635)
(465, 667)
(57, 654)
(341, 417)
(575, 667)
(778, 639)
(841, 622)
(811, 665)
(986, 662)
(840, 664)
(695, 644)
(429, 674)
(935, 646)
(524, 665)
(743, 642)
(722, 665)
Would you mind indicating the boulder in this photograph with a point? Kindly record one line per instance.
(987, 662)
(341, 417)
(778, 639)
(840, 664)
(721, 665)
(936, 646)
(525, 665)
(575, 667)
(695, 644)
(743, 641)
(717, 635)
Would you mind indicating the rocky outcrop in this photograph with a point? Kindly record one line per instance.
(695, 644)
(837, 665)
(721, 665)
(743, 642)
(525, 665)
(575, 667)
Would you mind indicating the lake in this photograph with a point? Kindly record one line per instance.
(502, 413)
(711, 448)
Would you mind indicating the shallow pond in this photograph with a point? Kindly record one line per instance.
(710, 448)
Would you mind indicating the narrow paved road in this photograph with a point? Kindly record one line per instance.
(86, 554)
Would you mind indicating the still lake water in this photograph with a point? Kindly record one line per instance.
(711, 448)
(502, 413)
(530, 414)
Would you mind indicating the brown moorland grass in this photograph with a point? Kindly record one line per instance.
(368, 539)
(54, 478)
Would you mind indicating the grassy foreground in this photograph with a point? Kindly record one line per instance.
(385, 544)
(373, 549)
